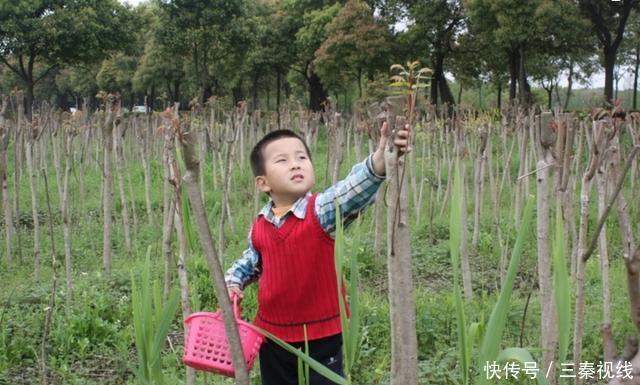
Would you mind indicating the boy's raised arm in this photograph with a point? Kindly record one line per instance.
(353, 193)
(358, 189)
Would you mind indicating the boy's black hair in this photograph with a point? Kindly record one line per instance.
(257, 159)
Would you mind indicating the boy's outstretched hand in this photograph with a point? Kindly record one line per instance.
(400, 140)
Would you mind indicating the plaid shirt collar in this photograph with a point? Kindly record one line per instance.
(299, 209)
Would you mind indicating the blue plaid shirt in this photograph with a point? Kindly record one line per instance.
(354, 194)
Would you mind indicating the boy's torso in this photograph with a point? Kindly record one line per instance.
(298, 284)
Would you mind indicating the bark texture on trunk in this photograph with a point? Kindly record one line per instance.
(34, 205)
(546, 139)
(4, 182)
(107, 198)
(183, 248)
(187, 140)
(120, 132)
(404, 351)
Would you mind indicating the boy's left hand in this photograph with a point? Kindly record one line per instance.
(400, 140)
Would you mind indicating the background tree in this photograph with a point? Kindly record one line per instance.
(564, 45)
(435, 27)
(204, 31)
(115, 76)
(156, 74)
(78, 82)
(308, 39)
(57, 32)
(356, 45)
(608, 19)
(510, 25)
(630, 52)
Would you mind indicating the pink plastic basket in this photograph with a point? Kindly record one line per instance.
(207, 346)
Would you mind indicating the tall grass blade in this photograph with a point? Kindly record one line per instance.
(455, 230)
(339, 252)
(152, 319)
(303, 367)
(306, 350)
(301, 380)
(162, 325)
(136, 304)
(498, 319)
(146, 309)
(562, 288)
(353, 343)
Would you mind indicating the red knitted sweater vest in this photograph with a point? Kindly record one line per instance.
(298, 284)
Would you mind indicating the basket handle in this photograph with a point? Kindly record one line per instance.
(236, 306)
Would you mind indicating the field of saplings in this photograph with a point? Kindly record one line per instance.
(514, 237)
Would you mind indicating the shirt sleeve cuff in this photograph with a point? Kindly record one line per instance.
(231, 281)
(369, 163)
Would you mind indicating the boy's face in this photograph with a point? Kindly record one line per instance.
(289, 172)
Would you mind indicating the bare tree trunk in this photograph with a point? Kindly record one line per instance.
(626, 229)
(213, 260)
(404, 351)
(601, 185)
(465, 267)
(134, 211)
(506, 172)
(64, 208)
(479, 181)
(144, 157)
(520, 196)
(214, 170)
(425, 159)
(34, 207)
(168, 218)
(4, 182)
(52, 299)
(548, 325)
(583, 133)
(237, 124)
(56, 156)
(357, 141)
(203, 156)
(117, 141)
(176, 205)
(107, 198)
(82, 166)
(595, 146)
(379, 215)
(542, 137)
(19, 154)
(336, 143)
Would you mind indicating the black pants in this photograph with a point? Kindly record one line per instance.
(279, 367)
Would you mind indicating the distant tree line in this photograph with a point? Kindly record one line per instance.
(271, 51)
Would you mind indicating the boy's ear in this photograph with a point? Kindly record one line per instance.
(263, 184)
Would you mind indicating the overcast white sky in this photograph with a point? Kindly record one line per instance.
(132, 2)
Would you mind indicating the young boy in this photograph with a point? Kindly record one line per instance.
(291, 251)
